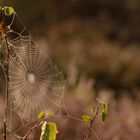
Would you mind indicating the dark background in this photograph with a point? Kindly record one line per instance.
(108, 26)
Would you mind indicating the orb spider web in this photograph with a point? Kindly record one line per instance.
(35, 83)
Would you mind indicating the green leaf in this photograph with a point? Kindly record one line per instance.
(49, 131)
(86, 118)
(41, 115)
(9, 11)
(104, 112)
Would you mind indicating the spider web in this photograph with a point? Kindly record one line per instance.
(35, 84)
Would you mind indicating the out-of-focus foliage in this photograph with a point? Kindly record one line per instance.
(119, 18)
(123, 115)
(100, 38)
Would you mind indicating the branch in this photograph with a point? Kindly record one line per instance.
(7, 85)
(91, 123)
(31, 129)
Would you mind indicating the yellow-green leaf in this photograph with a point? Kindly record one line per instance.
(41, 115)
(49, 131)
(8, 11)
(86, 118)
(104, 111)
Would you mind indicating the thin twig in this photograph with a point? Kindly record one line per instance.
(31, 129)
(95, 134)
(91, 123)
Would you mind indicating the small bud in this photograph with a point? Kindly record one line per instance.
(8, 11)
(41, 115)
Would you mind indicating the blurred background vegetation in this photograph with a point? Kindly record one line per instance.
(97, 44)
(101, 37)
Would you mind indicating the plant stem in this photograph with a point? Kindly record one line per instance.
(7, 86)
(91, 123)
(31, 129)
